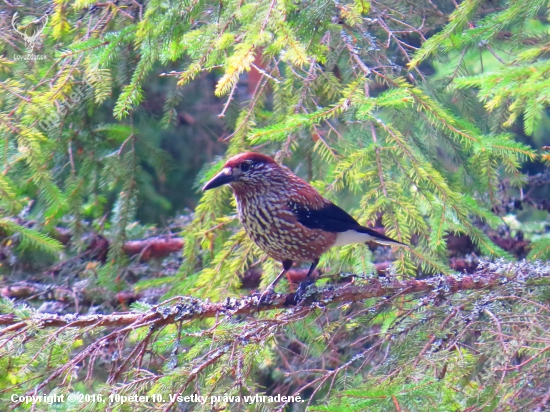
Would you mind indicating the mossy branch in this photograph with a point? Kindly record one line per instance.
(187, 308)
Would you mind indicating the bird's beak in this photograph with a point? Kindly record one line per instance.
(222, 178)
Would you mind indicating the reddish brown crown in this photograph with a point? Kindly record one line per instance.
(237, 160)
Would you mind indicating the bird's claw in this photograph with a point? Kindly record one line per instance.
(302, 291)
(265, 295)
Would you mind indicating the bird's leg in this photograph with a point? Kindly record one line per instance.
(312, 268)
(306, 282)
(287, 264)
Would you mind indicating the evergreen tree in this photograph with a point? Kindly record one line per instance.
(421, 117)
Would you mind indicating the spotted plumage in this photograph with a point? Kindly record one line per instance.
(284, 215)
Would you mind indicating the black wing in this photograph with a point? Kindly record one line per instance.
(331, 218)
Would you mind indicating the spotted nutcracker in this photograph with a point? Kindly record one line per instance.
(285, 216)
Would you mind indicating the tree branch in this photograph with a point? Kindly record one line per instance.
(190, 308)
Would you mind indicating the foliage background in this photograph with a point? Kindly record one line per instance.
(426, 118)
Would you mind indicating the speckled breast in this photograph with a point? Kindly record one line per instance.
(277, 232)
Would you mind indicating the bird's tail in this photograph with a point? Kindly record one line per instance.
(379, 237)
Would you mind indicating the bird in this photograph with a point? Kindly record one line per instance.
(285, 216)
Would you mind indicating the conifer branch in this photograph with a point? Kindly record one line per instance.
(431, 161)
(189, 308)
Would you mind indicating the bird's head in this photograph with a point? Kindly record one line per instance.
(245, 169)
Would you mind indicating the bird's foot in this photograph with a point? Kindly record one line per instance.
(266, 294)
(303, 292)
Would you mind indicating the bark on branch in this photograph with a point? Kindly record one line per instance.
(189, 308)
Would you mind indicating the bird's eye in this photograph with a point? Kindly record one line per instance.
(245, 167)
